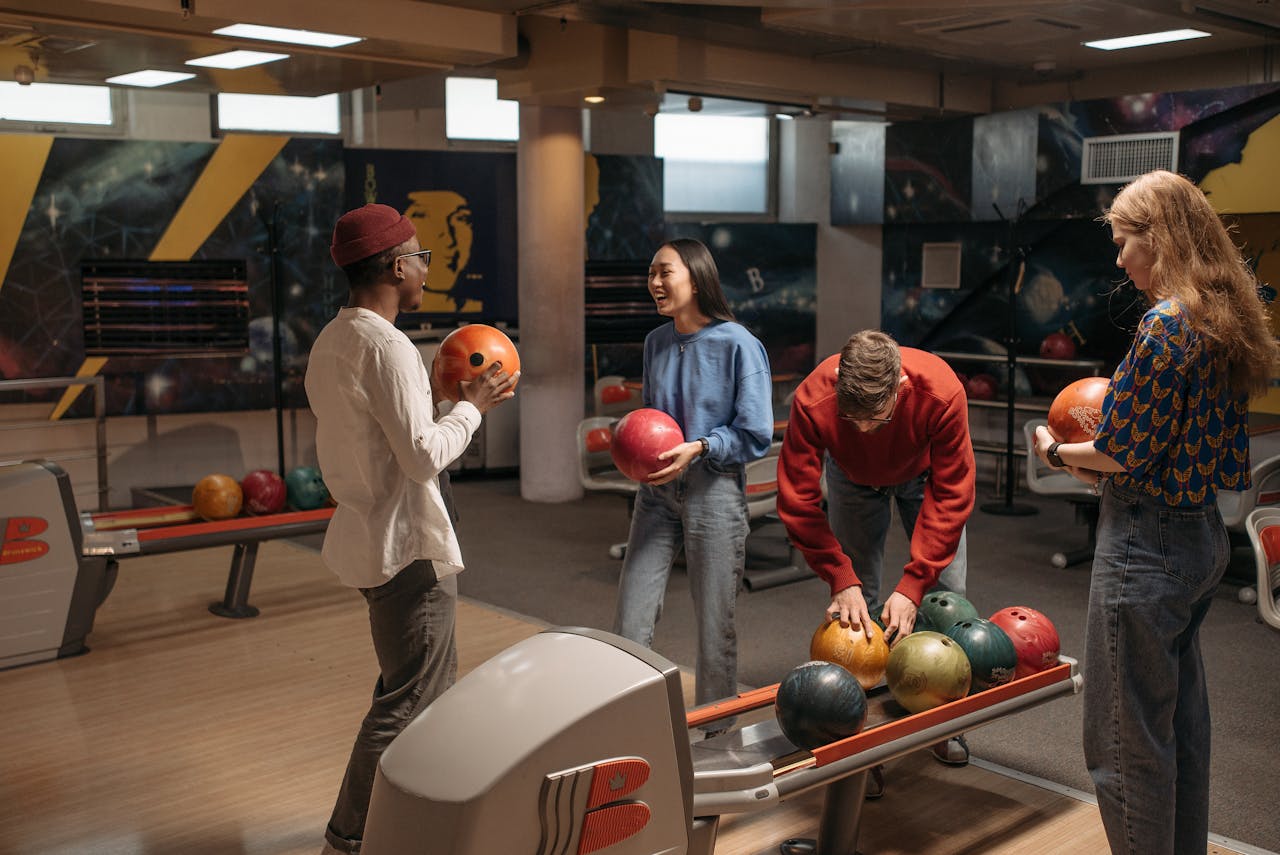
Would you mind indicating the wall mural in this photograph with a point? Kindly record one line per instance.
(624, 207)
(110, 199)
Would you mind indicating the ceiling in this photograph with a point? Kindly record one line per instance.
(854, 56)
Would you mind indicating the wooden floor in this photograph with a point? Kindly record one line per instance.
(181, 732)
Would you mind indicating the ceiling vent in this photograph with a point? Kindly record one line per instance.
(1123, 157)
(940, 265)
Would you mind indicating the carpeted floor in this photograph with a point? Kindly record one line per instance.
(551, 562)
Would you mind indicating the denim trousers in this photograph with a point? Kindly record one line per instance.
(1146, 706)
(411, 618)
(859, 517)
(703, 511)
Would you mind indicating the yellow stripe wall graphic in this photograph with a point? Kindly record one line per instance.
(23, 157)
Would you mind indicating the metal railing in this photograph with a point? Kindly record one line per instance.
(99, 417)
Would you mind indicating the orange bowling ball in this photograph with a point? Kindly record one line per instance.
(849, 648)
(466, 352)
(217, 497)
(1076, 412)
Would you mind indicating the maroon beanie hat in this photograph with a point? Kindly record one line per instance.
(368, 231)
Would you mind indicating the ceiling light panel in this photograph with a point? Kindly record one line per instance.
(237, 59)
(281, 34)
(150, 78)
(1145, 39)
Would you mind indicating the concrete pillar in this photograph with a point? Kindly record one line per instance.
(552, 242)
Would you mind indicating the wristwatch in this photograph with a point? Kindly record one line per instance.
(1052, 453)
(706, 446)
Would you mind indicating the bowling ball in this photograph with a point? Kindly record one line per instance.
(850, 649)
(639, 437)
(599, 439)
(1057, 345)
(217, 497)
(1033, 635)
(992, 658)
(819, 703)
(614, 394)
(264, 492)
(981, 387)
(467, 352)
(306, 488)
(1076, 412)
(940, 609)
(926, 670)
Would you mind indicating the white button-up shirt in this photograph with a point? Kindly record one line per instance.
(380, 449)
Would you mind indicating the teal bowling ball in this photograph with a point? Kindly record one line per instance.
(992, 656)
(306, 488)
(940, 610)
(819, 703)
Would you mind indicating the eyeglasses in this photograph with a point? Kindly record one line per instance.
(424, 254)
(877, 420)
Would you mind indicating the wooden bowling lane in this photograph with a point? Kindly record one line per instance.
(180, 732)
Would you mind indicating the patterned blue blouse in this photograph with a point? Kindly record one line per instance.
(1169, 417)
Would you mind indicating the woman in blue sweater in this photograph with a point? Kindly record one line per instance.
(712, 376)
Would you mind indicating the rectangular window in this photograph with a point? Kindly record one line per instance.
(287, 113)
(56, 103)
(473, 111)
(713, 164)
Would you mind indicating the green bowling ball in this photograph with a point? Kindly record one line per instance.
(940, 610)
(926, 670)
(992, 656)
(306, 488)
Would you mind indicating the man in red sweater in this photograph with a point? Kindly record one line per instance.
(883, 424)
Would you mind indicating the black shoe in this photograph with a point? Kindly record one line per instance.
(953, 752)
(875, 783)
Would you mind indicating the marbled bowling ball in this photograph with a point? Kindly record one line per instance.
(992, 658)
(217, 497)
(264, 492)
(306, 488)
(819, 703)
(926, 670)
(940, 609)
(850, 648)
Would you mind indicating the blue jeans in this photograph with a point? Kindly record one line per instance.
(703, 511)
(1146, 707)
(859, 517)
(411, 618)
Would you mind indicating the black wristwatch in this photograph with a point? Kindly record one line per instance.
(1052, 453)
(706, 446)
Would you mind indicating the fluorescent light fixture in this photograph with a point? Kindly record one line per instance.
(236, 59)
(1147, 39)
(55, 102)
(281, 34)
(149, 78)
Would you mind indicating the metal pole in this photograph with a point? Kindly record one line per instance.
(277, 309)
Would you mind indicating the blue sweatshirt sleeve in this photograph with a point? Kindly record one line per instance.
(750, 433)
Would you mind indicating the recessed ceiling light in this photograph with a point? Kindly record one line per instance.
(1146, 39)
(149, 78)
(593, 99)
(237, 59)
(280, 34)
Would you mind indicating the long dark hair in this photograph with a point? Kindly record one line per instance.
(705, 277)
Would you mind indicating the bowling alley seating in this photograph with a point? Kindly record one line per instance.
(596, 470)
(613, 397)
(1236, 507)
(762, 506)
(1048, 481)
(1263, 526)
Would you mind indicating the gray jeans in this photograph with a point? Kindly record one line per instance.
(704, 511)
(411, 619)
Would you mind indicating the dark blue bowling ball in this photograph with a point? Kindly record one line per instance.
(991, 653)
(819, 703)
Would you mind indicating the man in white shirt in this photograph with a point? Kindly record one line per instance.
(382, 450)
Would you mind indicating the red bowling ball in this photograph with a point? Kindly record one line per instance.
(1076, 412)
(1058, 345)
(639, 437)
(264, 492)
(981, 387)
(467, 352)
(1033, 635)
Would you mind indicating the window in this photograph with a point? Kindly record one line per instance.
(473, 111)
(56, 103)
(713, 164)
(294, 114)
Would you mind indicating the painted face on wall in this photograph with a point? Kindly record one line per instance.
(443, 222)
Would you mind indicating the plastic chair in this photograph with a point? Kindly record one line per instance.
(1048, 481)
(613, 397)
(762, 507)
(1263, 527)
(595, 465)
(1265, 490)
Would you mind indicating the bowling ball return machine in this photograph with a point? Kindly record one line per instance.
(577, 741)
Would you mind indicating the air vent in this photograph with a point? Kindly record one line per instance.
(1123, 157)
(940, 265)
